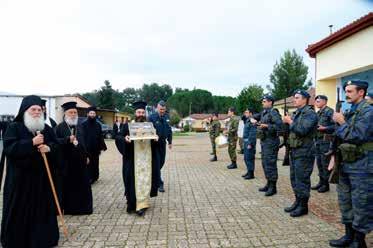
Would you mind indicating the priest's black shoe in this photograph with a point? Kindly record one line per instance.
(130, 210)
(213, 159)
(346, 239)
(233, 165)
(161, 189)
(264, 189)
(317, 186)
(302, 208)
(293, 206)
(272, 190)
(250, 175)
(359, 240)
(244, 175)
(324, 188)
(141, 212)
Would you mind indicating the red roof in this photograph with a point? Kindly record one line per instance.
(350, 29)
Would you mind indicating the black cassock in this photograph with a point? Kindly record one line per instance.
(128, 170)
(29, 213)
(74, 179)
(95, 143)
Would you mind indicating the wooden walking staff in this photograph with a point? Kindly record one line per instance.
(65, 230)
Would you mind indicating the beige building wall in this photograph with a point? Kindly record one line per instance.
(327, 87)
(350, 55)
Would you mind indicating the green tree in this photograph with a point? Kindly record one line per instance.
(250, 96)
(174, 117)
(180, 102)
(153, 93)
(222, 103)
(106, 96)
(288, 75)
(126, 98)
(91, 97)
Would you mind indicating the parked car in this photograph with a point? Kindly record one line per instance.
(107, 131)
(175, 129)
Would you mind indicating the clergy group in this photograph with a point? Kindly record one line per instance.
(50, 167)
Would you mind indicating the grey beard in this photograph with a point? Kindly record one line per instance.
(71, 121)
(33, 124)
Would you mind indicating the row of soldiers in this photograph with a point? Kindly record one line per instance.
(342, 143)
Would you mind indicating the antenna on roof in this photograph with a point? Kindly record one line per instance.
(331, 28)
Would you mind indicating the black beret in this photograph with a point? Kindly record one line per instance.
(359, 83)
(303, 93)
(268, 98)
(323, 97)
(139, 105)
(69, 105)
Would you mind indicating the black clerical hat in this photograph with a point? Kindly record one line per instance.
(27, 102)
(139, 105)
(69, 105)
(43, 102)
(92, 108)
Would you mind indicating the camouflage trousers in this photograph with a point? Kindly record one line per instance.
(301, 166)
(213, 144)
(232, 148)
(322, 147)
(240, 143)
(355, 194)
(269, 150)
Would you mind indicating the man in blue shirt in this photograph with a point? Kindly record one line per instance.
(161, 122)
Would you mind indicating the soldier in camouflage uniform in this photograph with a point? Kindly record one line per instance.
(268, 127)
(302, 127)
(214, 133)
(355, 186)
(324, 135)
(231, 131)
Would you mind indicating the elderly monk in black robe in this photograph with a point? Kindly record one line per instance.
(140, 166)
(95, 143)
(29, 214)
(76, 187)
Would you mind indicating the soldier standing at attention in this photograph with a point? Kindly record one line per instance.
(249, 140)
(302, 127)
(231, 131)
(214, 133)
(355, 195)
(270, 124)
(325, 129)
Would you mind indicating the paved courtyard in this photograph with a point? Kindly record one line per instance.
(205, 205)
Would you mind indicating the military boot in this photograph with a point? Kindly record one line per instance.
(359, 240)
(293, 206)
(317, 186)
(233, 165)
(265, 188)
(244, 175)
(346, 239)
(324, 188)
(272, 190)
(250, 175)
(214, 158)
(302, 208)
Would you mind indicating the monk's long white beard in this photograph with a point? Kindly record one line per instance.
(71, 121)
(33, 124)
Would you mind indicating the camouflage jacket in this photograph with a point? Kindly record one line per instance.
(272, 118)
(214, 128)
(358, 130)
(304, 125)
(232, 126)
(325, 118)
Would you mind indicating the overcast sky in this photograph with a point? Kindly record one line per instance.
(69, 46)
